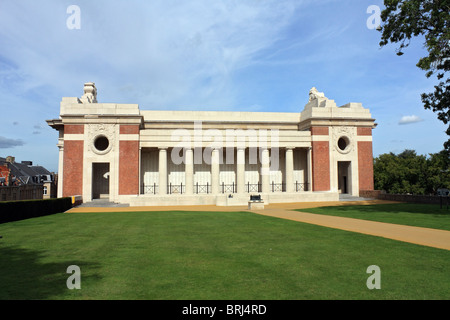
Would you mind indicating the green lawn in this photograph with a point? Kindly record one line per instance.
(209, 255)
(418, 215)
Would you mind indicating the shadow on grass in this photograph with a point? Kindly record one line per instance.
(392, 208)
(24, 276)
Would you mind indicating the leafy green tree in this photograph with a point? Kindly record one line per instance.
(439, 171)
(404, 19)
(385, 172)
(410, 173)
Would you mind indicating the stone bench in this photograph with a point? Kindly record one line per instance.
(255, 202)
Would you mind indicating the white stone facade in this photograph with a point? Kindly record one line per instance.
(149, 157)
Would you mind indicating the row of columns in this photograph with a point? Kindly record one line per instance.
(240, 170)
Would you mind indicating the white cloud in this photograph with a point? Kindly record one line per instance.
(176, 54)
(410, 119)
(198, 55)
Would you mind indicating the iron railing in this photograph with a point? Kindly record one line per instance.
(202, 188)
(278, 187)
(253, 187)
(149, 188)
(301, 186)
(176, 188)
(228, 188)
(224, 188)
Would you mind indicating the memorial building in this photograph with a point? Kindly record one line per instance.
(151, 157)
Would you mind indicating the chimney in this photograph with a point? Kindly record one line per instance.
(10, 159)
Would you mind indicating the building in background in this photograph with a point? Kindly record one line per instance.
(23, 181)
(148, 157)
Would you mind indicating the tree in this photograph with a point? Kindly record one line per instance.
(439, 170)
(402, 173)
(404, 19)
(408, 172)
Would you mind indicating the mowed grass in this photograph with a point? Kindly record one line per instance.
(209, 255)
(418, 215)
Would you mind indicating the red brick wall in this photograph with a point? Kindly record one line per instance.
(4, 173)
(73, 129)
(128, 167)
(365, 165)
(73, 168)
(321, 165)
(129, 129)
(319, 131)
(364, 131)
(320, 160)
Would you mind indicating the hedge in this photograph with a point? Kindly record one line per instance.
(25, 209)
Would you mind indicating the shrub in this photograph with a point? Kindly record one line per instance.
(25, 209)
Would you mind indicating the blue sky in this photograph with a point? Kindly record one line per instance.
(249, 55)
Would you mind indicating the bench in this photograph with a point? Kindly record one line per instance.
(255, 202)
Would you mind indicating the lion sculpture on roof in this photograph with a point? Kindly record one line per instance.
(314, 94)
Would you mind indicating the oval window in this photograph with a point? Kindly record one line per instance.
(101, 143)
(343, 143)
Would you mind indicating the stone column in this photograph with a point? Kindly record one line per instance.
(240, 170)
(289, 170)
(60, 168)
(162, 170)
(140, 191)
(189, 170)
(215, 171)
(265, 171)
(309, 177)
